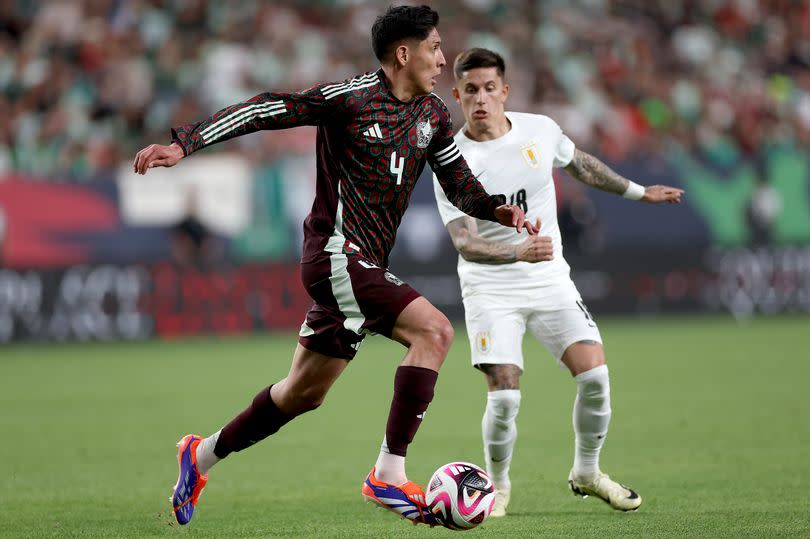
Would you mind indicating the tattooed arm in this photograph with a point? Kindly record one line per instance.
(473, 248)
(591, 171)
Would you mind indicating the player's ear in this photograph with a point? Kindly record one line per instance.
(401, 54)
(456, 95)
(505, 91)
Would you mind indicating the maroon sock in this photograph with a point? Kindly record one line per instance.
(413, 391)
(258, 421)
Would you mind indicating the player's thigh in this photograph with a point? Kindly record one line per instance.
(495, 330)
(385, 301)
(561, 328)
(333, 325)
(353, 298)
(420, 320)
(583, 356)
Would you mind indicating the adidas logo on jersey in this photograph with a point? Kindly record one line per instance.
(373, 131)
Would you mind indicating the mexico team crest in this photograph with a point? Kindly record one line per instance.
(424, 132)
(531, 155)
(393, 279)
(483, 342)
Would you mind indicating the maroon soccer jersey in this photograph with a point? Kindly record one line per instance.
(371, 149)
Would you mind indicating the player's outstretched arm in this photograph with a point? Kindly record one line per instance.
(591, 171)
(472, 247)
(270, 110)
(157, 155)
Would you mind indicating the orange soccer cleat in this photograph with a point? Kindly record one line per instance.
(190, 482)
(406, 500)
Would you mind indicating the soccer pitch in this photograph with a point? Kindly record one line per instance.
(710, 425)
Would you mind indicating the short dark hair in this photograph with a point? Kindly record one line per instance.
(475, 58)
(399, 23)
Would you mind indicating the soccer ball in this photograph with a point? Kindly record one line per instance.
(460, 495)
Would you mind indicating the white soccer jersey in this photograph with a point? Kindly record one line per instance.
(519, 165)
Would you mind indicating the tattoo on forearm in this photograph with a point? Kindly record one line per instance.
(590, 170)
(464, 233)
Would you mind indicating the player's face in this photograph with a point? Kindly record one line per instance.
(482, 94)
(426, 63)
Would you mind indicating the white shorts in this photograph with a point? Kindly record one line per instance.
(495, 328)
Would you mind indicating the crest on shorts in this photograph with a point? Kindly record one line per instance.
(393, 279)
(483, 342)
(424, 132)
(531, 154)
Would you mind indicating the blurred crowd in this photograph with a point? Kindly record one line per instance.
(85, 83)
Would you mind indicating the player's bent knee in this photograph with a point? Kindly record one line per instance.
(445, 334)
(594, 384)
(437, 333)
(421, 324)
(505, 407)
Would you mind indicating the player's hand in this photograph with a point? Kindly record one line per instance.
(157, 155)
(536, 248)
(656, 194)
(513, 216)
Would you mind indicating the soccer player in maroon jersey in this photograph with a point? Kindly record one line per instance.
(375, 134)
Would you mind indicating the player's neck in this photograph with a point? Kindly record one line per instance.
(398, 85)
(482, 133)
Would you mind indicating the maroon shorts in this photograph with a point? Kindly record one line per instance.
(353, 298)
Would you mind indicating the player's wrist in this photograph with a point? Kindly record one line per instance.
(495, 202)
(178, 149)
(634, 191)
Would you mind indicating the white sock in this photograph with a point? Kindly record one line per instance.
(205, 453)
(500, 432)
(591, 418)
(390, 468)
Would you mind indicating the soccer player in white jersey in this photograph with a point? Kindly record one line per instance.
(509, 285)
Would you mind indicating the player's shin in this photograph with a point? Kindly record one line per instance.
(500, 432)
(258, 421)
(591, 418)
(413, 392)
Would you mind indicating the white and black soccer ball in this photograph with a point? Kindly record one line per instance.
(460, 495)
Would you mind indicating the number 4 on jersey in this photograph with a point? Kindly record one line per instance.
(397, 166)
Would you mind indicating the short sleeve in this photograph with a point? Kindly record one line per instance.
(564, 151)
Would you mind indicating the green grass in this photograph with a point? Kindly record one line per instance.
(711, 424)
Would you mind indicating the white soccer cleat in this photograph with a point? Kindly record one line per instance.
(603, 487)
(501, 501)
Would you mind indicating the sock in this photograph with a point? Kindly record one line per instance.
(413, 391)
(500, 432)
(205, 453)
(591, 418)
(389, 467)
(258, 421)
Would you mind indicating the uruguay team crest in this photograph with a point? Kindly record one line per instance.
(424, 132)
(483, 342)
(531, 155)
